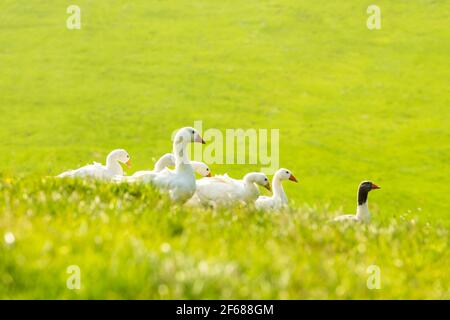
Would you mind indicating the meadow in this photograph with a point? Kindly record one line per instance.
(351, 104)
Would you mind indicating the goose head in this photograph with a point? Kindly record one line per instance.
(188, 134)
(363, 191)
(182, 138)
(284, 174)
(119, 155)
(201, 168)
(258, 178)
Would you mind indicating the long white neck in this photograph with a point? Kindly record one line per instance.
(278, 190)
(182, 162)
(249, 185)
(113, 165)
(163, 162)
(362, 211)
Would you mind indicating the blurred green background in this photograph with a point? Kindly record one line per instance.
(351, 103)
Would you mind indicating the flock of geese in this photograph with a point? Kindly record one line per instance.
(214, 191)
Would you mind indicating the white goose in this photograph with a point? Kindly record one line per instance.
(167, 160)
(179, 183)
(99, 171)
(279, 199)
(199, 167)
(219, 191)
(362, 210)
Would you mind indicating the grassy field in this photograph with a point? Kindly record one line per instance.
(351, 104)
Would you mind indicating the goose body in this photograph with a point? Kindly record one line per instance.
(278, 200)
(221, 190)
(167, 160)
(99, 171)
(178, 183)
(147, 175)
(362, 209)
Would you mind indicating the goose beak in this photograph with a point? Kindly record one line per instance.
(209, 175)
(292, 178)
(374, 186)
(267, 186)
(199, 139)
(128, 163)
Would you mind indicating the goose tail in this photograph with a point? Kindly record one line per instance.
(65, 174)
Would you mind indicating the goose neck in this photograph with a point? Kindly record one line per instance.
(163, 162)
(250, 189)
(278, 190)
(180, 152)
(182, 163)
(159, 165)
(114, 166)
(362, 211)
(249, 179)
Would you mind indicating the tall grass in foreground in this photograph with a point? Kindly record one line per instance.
(129, 242)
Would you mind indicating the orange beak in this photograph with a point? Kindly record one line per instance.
(199, 140)
(209, 175)
(292, 178)
(267, 186)
(128, 163)
(374, 186)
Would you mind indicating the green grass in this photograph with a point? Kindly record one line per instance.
(130, 243)
(351, 104)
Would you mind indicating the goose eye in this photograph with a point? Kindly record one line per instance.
(128, 156)
(193, 131)
(207, 169)
(265, 179)
(287, 172)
